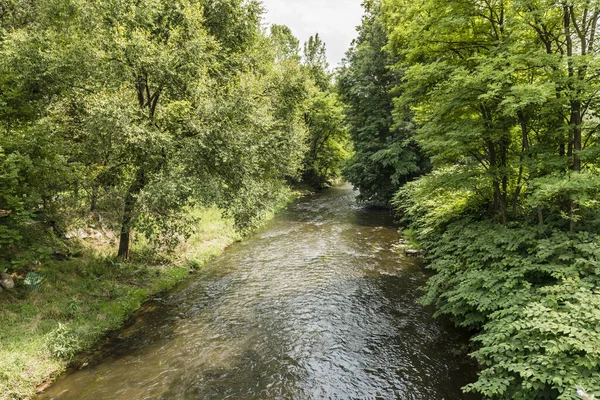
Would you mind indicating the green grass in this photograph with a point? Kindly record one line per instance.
(83, 298)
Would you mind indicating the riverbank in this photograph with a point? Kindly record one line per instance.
(320, 304)
(527, 292)
(67, 306)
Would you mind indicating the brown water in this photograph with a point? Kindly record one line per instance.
(318, 305)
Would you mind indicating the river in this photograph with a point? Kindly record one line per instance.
(320, 304)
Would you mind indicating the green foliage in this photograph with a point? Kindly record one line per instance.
(386, 156)
(63, 343)
(67, 306)
(505, 107)
(133, 112)
(545, 348)
(287, 46)
(328, 147)
(134, 118)
(315, 61)
(530, 292)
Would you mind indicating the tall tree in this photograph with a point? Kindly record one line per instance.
(513, 68)
(287, 46)
(315, 60)
(145, 105)
(505, 105)
(328, 145)
(386, 155)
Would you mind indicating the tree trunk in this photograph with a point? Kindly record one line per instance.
(524, 153)
(576, 113)
(125, 238)
(128, 212)
(499, 179)
(576, 121)
(500, 200)
(94, 200)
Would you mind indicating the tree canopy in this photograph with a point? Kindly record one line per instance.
(504, 97)
(136, 110)
(386, 154)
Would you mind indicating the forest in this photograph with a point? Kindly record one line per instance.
(163, 127)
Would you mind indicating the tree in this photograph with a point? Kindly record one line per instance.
(324, 118)
(132, 106)
(481, 91)
(315, 61)
(287, 46)
(328, 145)
(386, 154)
(498, 92)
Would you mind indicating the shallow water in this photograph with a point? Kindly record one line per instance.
(318, 305)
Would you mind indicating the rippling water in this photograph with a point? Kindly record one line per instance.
(318, 305)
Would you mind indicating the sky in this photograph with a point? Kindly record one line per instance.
(334, 20)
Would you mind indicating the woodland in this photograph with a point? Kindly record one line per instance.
(476, 121)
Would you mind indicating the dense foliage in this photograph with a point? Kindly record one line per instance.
(329, 144)
(386, 155)
(504, 95)
(131, 112)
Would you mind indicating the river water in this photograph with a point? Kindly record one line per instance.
(320, 304)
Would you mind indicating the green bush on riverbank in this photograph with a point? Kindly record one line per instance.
(529, 293)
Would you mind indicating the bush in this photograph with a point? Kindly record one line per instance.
(63, 343)
(529, 294)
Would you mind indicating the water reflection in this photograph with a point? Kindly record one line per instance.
(318, 305)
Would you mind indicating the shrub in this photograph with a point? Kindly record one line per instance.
(528, 293)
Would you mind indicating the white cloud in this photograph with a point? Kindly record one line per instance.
(334, 20)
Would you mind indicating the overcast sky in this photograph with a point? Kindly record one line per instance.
(334, 20)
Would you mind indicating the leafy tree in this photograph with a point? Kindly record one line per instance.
(386, 155)
(287, 46)
(328, 145)
(315, 60)
(138, 110)
(498, 95)
(256, 137)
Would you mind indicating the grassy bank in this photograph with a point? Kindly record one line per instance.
(66, 306)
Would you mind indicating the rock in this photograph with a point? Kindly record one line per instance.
(108, 233)
(402, 241)
(6, 281)
(413, 253)
(42, 387)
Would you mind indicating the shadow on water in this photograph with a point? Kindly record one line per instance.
(317, 305)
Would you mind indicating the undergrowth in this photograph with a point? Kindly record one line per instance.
(529, 293)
